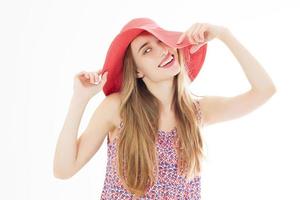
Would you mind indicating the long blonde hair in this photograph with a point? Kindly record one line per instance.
(136, 147)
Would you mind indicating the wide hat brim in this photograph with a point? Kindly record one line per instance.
(114, 58)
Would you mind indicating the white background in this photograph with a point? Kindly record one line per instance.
(44, 43)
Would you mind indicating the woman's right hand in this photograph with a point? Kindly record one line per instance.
(87, 84)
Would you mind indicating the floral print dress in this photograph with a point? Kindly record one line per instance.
(169, 184)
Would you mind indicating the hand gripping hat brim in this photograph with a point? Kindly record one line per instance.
(114, 58)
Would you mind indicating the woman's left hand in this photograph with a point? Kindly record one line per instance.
(200, 33)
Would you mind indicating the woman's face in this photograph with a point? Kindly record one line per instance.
(150, 55)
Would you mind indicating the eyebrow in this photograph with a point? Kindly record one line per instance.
(146, 43)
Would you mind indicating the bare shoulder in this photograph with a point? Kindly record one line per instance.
(207, 106)
(216, 109)
(201, 105)
(113, 99)
(113, 102)
(204, 102)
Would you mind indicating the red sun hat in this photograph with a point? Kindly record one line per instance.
(114, 58)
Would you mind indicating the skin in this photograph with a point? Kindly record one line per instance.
(158, 80)
(72, 154)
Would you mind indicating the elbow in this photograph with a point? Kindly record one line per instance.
(62, 169)
(274, 89)
(270, 91)
(61, 174)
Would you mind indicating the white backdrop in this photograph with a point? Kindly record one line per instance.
(44, 43)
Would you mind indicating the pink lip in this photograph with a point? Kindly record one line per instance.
(166, 58)
(169, 64)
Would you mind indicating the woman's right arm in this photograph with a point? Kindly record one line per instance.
(71, 153)
(66, 147)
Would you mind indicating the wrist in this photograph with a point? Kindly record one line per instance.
(80, 98)
(224, 34)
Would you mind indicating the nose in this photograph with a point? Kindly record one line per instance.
(164, 49)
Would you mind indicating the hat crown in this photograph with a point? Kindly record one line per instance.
(138, 23)
(116, 52)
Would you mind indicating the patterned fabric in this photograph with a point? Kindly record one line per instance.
(169, 184)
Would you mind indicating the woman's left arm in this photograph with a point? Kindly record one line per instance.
(217, 108)
(256, 75)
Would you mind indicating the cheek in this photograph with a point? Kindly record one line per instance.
(150, 71)
(148, 66)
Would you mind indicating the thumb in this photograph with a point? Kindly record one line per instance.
(104, 78)
(180, 38)
(196, 48)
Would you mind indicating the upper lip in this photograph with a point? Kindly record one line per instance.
(165, 58)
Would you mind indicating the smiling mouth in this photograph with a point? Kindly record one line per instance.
(167, 61)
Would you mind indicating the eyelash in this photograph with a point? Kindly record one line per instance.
(150, 48)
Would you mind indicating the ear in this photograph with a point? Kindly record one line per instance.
(139, 74)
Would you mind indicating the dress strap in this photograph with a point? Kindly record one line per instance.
(121, 124)
(199, 111)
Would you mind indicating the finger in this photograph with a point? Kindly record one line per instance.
(197, 34)
(201, 33)
(104, 77)
(181, 38)
(196, 48)
(78, 75)
(81, 73)
(91, 77)
(86, 75)
(101, 78)
(190, 32)
(96, 76)
(104, 74)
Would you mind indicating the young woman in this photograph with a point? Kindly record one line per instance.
(152, 122)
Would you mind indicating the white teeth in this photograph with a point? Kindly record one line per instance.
(167, 61)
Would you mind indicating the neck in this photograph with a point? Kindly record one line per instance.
(163, 91)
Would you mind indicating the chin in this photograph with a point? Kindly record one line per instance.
(175, 69)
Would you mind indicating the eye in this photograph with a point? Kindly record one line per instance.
(146, 51)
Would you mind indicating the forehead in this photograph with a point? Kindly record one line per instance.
(142, 38)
